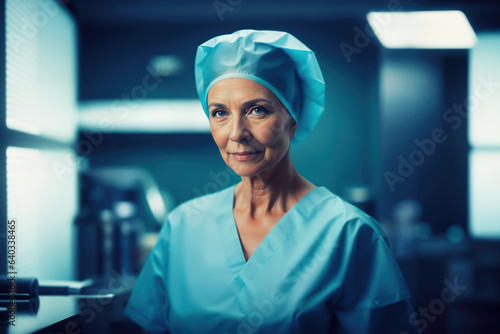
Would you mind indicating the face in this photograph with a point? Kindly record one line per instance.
(249, 124)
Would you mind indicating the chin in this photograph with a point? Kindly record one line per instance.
(245, 171)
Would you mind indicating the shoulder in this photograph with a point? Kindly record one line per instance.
(204, 204)
(347, 220)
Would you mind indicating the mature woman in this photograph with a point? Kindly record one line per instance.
(273, 253)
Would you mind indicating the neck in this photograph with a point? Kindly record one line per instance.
(271, 189)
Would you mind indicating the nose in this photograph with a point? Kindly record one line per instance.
(239, 131)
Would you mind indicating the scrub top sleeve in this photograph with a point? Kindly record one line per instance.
(148, 304)
(390, 319)
(372, 277)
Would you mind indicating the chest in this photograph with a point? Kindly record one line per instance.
(211, 287)
(252, 232)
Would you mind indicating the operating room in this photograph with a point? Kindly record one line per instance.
(115, 167)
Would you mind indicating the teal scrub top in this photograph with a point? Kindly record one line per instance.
(325, 267)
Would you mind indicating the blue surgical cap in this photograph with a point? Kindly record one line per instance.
(275, 59)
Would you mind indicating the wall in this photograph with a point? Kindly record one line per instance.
(424, 138)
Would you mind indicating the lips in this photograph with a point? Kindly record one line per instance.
(244, 156)
(244, 153)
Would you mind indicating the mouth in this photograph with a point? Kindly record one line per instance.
(244, 153)
(244, 156)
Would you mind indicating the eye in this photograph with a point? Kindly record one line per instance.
(218, 113)
(259, 110)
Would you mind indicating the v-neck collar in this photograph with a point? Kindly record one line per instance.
(243, 271)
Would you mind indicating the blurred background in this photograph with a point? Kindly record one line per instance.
(102, 135)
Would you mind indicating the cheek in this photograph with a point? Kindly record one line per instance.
(219, 136)
(272, 133)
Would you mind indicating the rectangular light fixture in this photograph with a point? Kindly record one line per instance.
(144, 116)
(484, 91)
(423, 29)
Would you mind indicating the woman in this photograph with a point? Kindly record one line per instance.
(273, 253)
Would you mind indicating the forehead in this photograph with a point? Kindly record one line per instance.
(239, 88)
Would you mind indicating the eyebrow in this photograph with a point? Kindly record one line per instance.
(245, 105)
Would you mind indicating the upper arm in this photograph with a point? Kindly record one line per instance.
(371, 277)
(149, 304)
(373, 297)
(394, 318)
